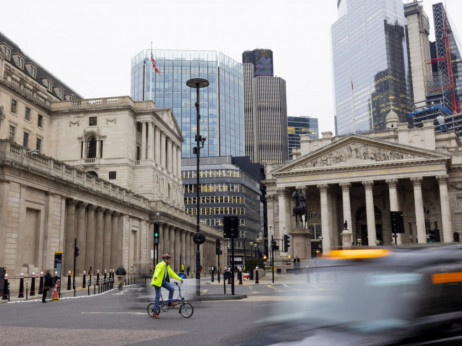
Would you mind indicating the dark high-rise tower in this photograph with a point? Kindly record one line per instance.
(262, 60)
(371, 65)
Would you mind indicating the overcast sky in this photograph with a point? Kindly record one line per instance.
(88, 44)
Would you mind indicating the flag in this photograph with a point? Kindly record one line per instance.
(154, 64)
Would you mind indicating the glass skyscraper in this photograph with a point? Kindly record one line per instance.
(221, 103)
(371, 65)
(297, 126)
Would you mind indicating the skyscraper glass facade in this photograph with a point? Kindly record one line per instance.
(221, 103)
(371, 65)
(297, 126)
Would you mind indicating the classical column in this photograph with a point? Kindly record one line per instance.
(177, 250)
(121, 244)
(81, 241)
(371, 231)
(188, 250)
(445, 209)
(178, 158)
(163, 153)
(115, 253)
(150, 141)
(183, 248)
(392, 183)
(157, 146)
(107, 239)
(169, 155)
(346, 204)
(419, 210)
(70, 235)
(167, 240)
(283, 201)
(172, 242)
(143, 140)
(99, 240)
(326, 239)
(174, 160)
(90, 241)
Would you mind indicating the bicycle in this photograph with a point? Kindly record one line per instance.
(185, 309)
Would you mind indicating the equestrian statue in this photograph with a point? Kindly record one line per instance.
(300, 208)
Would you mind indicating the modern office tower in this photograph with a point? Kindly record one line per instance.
(447, 76)
(418, 30)
(262, 60)
(297, 126)
(265, 117)
(371, 66)
(229, 186)
(221, 103)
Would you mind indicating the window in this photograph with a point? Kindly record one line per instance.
(7, 52)
(112, 175)
(12, 131)
(21, 62)
(14, 105)
(25, 141)
(92, 121)
(60, 93)
(27, 114)
(91, 147)
(33, 71)
(40, 120)
(38, 145)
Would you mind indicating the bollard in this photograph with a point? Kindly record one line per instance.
(27, 291)
(240, 277)
(32, 285)
(68, 280)
(88, 287)
(83, 281)
(105, 274)
(213, 275)
(97, 277)
(41, 283)
(21, 286)
(224, 285)
(256, 276)
(5, 288)
(94, 288)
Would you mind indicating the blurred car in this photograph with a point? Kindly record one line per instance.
(373, 296)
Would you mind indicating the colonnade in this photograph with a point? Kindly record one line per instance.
(328, 241)
(157, 146)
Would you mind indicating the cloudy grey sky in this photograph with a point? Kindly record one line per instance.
(88, 44)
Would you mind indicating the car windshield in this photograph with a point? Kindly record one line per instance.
(365, 299)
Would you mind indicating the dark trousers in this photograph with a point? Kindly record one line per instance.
(45, 292)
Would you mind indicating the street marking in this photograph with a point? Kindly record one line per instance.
(285, 285)
(204, 292)
(111, 313)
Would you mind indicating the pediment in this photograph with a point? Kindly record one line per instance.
(353, 151)
(168, 118)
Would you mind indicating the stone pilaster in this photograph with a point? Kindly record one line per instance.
(143, 140)
(107, 239)
(115, 252)
(150, 141)
(326, 236)
(90, 239)
(70, 236)
(370, 212)
(99, 240)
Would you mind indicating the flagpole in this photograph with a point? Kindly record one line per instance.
(144, 76)
(353, 107)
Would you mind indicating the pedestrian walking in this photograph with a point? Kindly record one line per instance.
(188, 270)
(121, 272)
(161, 278)
(182, 268)
(47, 285)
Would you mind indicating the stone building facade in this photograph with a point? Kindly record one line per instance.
(356, 180)
(98, 171)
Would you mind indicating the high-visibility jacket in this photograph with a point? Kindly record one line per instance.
(159, 274)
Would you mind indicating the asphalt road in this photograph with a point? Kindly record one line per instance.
(117, 318)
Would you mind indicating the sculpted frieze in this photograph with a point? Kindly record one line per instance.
(355, 153)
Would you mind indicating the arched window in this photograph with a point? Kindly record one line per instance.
(93, 173)
(91, 147)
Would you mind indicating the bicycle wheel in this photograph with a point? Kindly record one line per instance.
(186, 310)
(150, 309)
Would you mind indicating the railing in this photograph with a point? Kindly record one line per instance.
(92, 160)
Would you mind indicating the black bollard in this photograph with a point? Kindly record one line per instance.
(83, 281)
(27, 291)
(256, 276)
(69, 280)
(88, 287)
(5, 288)
(240, 277)
(41, 283)
(213, 275)
(32, 285)
(21, 286)
(224, 285)
(94, 288)
(97, 277)
(105, 274)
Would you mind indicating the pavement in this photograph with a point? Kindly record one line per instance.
(210, 290)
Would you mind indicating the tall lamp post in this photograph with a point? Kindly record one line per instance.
(199, 237)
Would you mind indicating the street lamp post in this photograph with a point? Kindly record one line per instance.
(199, 237)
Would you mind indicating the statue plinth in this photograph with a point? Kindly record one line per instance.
(347, 238)
(301, 243)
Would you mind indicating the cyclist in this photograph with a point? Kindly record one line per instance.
(161, 278)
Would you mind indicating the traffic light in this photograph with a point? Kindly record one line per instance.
(274, 246)
(156, 233)
(218, 245)
(397, 222)
(434, 236)
(230, 226)
(76, 252)
(286, 243)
